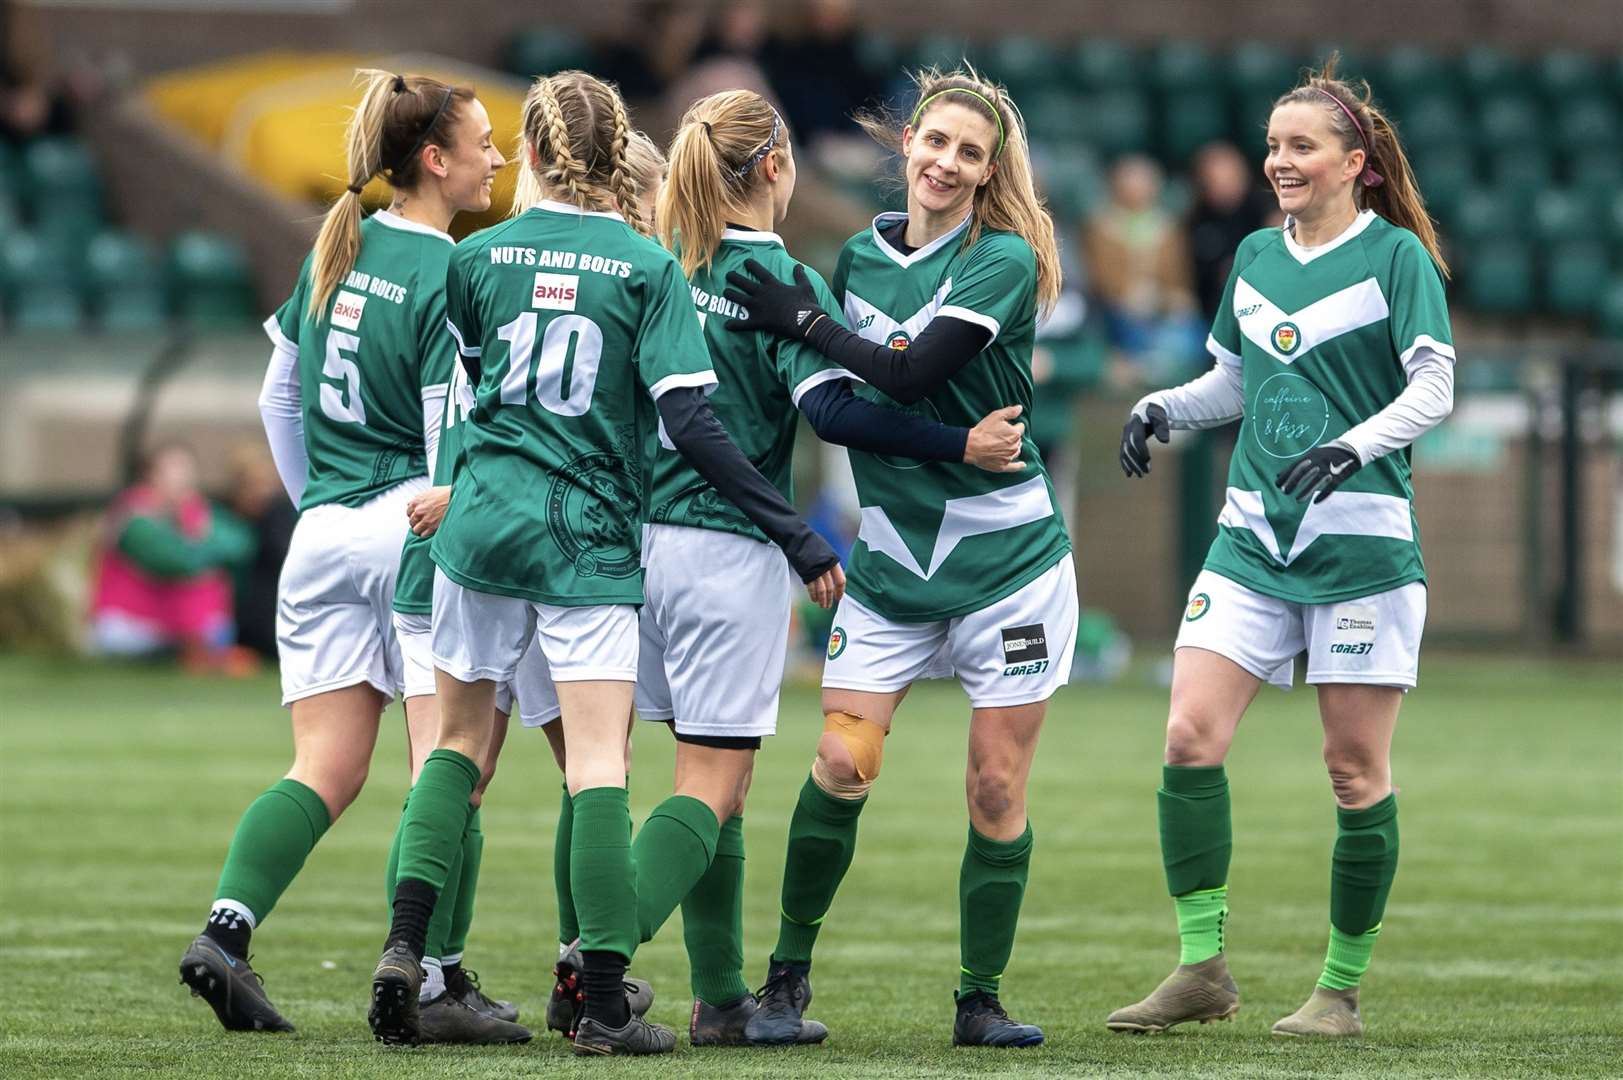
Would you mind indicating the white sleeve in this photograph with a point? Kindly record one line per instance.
(1214, 399)
(1424, 404)
(283, 414)
(434, 399)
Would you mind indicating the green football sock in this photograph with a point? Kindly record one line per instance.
(274, 836)
(601, 876)
(991, 885)
(713, 922)
(1362, 866)
(439, 924)
(466, 882)
(436, 816)
(568, 924)
(393, 866)
(822, 839)
(1197, 839)
(672, 851)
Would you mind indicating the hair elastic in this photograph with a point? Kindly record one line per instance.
(399, 84)
(977, 95)
(354, 189)
(766, 147)
(1369, 177)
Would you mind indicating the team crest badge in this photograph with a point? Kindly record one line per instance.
(1199, 604)
(898, 340)
(1286, 338)
(837, 642)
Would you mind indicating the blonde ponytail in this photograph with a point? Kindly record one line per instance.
(715, 159)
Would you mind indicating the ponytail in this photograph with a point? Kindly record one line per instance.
(715, 156)
(1387, 184)
(398, 116)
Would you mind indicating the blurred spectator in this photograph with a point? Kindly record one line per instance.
(161, 583)
(738, 32)
(818, 72)
(34, 100)
(652, 49)
(1229, 205)
(1138, 262)
(258, 498)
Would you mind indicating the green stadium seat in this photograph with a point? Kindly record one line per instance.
(45, 308)
(1609, 310)
(1584, 123)
(126, 282)
(27, 257)
(1070, 178)
(1485, 70)
(1190, 121)
(1114, 122)
(1355, 62)
(1412, 73)
(1433, 121)
(1054, 116)
(1024, 64)
(1499, 278)
(210, 280)
(56, 172)
(543, 52)
(1596, 172)
(1564, 73)
(1562, 216)
(71, 221)
(880, 53)
(1507, 120)
(1105, 64)
(945, 51)
(1185, 67)
(1485, 214)
(1521, 174)
(1613, 222)
(1575, 277)
(1445, 174)
(1258, 74)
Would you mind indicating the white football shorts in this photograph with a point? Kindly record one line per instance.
(531, 684)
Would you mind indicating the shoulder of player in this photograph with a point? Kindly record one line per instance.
(1255, 243)
(1003, 250)
(1387, 246)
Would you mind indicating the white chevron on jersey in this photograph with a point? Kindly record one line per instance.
(1346, 513)
(1323, 320)
(871, 324)
(973, 515)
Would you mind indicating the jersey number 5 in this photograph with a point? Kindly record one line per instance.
(566, 373)
(343, 405)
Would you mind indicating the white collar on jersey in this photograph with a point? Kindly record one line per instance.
(891, 217)
(555, 207)
(752, 236)
(1305, 255)
(395, 221)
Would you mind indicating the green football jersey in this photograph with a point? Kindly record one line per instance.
(939, 540)
(760, 380)
(1323, 335)
(414, 586)
(364, 362)
(578, 324)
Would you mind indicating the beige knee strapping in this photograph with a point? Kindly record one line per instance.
(864, 740)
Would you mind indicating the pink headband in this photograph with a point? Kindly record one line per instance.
(1369, 176)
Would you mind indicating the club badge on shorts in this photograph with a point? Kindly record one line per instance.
(1199, 604)
(837, 641)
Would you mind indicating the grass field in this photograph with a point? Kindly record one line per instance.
(119, 790)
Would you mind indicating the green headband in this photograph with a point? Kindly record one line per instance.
(996, 115)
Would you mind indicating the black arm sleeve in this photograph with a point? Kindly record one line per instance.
(909, 374)
(840, 417)
(693, 429)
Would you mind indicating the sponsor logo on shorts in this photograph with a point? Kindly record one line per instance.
(1352, 648)
(837, 641)
(346, 310)
(1199, 604)
(1348, 622)
(1355, 629)
(1024, 644)
(594, 513)
(1287, 337)
(555, 291)
(1026, 669)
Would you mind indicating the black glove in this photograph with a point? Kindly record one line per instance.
(1135, 444)
(772, 306)
(1318, 472)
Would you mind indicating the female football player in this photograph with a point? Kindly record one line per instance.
(716, 622)
(954, 570)
(1333, 349)
(579, 328)
(351, 404)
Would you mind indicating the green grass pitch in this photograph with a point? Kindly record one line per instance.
(119, 789)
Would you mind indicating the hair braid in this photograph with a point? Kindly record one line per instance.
(567, 171)
(621, 183)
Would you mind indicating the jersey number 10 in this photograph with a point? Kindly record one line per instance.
(566, 373)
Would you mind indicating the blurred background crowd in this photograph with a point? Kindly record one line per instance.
(162, 166)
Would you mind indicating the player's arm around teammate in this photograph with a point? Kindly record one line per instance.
(943, 302)
(348, 435)
(1333, 342)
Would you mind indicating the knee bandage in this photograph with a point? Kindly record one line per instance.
(864, 740)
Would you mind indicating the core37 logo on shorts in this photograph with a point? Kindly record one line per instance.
(1355, 629)
(1025, 649)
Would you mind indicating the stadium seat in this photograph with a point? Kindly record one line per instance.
(1434, 121)
(1507, 120)
(1582, 123)
(1565, 73)
(1486, 214)
(1499, 278)
(1114, 122)
(1561, 216)
(1575, 277)
(1521, 174)
(1597, 172)
(1190, 121)
(942, 51)
(1614, 216)
(1105, 64)
(1355, 62)
(542, 52)
(1486, 70)
(126, 282)
(1070, 178)
(1025, 64)
(1445, 174)
(1609, 310)
(1258, 74)
(43, 307)
(1185, 67)
(58, 172)
(210, 280)
(27, 257)
(1409, 74)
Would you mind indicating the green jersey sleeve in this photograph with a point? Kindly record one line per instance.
(1224, 340)
(461, 315)
(1418, 305)
(283, 327)
(436, 347)
(998, 285)
(801, 367)
(670, 349)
